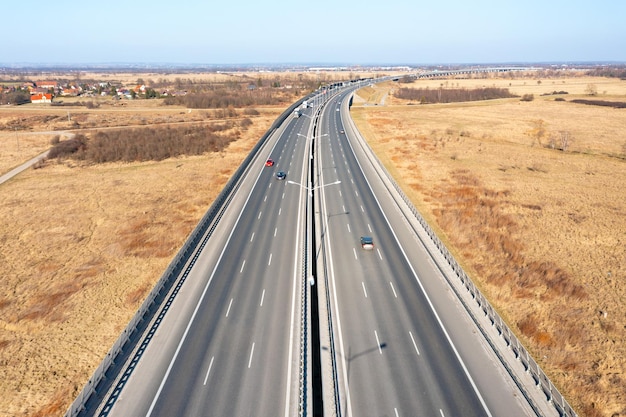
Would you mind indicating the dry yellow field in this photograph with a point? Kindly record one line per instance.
(81, 248)
(542, 232)
(74, 236)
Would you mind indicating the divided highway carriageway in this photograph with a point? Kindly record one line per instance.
(282, 312)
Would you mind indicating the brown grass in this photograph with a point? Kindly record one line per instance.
(541, 231)
(56, 405)
(78, 233)
(90, 235)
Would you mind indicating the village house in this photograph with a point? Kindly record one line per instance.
(46, 84)
(70, 91)
(41, 98)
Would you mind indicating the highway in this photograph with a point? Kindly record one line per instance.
(230, 342)
(229, 345)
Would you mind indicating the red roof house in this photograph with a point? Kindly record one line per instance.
(41, 98)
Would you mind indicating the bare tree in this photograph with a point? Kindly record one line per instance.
(566, 139)
(552, 142)
(591, 90)
(538, 131)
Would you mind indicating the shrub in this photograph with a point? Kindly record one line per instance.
(250, 112)
(528, 97)
(245, 123)
(68, 147)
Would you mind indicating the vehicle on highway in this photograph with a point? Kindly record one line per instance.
(269, 163)
(367, 242)
(280, 175)
(342, 131)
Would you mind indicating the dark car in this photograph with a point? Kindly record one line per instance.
(367, 242)
(280, 175)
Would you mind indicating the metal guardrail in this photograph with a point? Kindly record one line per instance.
(553, 396)
(308, 259)
(99, 381)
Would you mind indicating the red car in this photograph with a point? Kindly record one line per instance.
(269, 163)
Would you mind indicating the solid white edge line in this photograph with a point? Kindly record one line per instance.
(293, 308)
(337, 315)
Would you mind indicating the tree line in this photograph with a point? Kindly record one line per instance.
(14, 97)
(222, 99)
(149, 144)
(452, 95)
(614, 104)
(610, 72)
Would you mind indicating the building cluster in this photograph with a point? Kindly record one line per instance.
(45, 91)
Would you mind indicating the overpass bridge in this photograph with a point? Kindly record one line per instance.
(450, 73)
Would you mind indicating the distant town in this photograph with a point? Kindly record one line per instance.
(26, 84)
(45, 91)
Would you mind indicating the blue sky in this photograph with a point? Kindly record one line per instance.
(321, 31)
